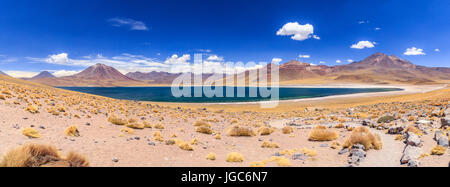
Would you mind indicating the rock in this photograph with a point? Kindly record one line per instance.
(386, 119)
(438, 134)
(115, 159)
(423, 122)
(299, 157)
(323, 145)
(365, 123)
(343, 151)
(41, 127)
(413, 163)
(137, 138)
(358, 152)
(445, 122)
(413, 139)
(151, 144)
(88, 124)
(443, 141)
(396, 129)
(410, 153)
(276, 154)
(358, 146)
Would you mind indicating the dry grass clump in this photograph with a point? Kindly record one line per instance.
(135, 125)
(202, 123)
(414, 130)
(159, 126)
(263, 131)
(204, 130)
(127, 130)
(321, 133)
(335, 145)
(116, 120)
(2, 97)
(34, 155)
(362, 135)
(211, 156)
(157, 136)
(72, 131)
(438, 150)
(281, 161)
(32, 109)
(287, 130)
(267, 144)
(339, 126)
(235, 157)
(30, 132)
(258, 164)
(309, 152)
(181, 144)
(237, 130)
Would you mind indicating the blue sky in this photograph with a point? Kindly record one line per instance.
(67, 36)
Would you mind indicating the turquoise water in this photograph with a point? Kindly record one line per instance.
(164, 94)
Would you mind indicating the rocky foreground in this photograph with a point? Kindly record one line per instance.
(110, 132)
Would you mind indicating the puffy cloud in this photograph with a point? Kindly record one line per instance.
(215, 58)
(350, 60)
(378, 28)
(174, 59)
(62, 73)
(304, 56)
(414, 51)
(322, 62)
(276, 60)
(297, 31)
(363, 44)
(338, 61)
(133, 24)
(62, 58)
(437, 50)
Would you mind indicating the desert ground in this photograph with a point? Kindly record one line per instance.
(404, 128)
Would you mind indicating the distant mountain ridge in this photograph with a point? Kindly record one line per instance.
(378, 68)
(43, 74)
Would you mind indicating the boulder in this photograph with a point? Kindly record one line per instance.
(443, 141)
(423, 122)
(410, 153)
(445, 122)
(413, 163)
(396, 129)
(413, 140)
(386, 119)
(438, 134)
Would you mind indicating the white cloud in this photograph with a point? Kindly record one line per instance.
(304, 56)
(175, 60)
(322, 62)
(363, 22)
(350, 60)
(437, 50)
(204, 50)
(9, 60)
(363, 44)
(297, 31)
(338, 61)
(215, 58)
(414, 51)
(276, 60)
(312, 64)
(62, 73)
(133, 24)
(378, 28)
(21, 74)
(62, 58)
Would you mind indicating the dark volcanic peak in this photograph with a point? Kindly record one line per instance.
(385, 61)
(101, 72)
(2, 73)
(44, 74)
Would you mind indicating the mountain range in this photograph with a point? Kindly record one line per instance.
(378, 68)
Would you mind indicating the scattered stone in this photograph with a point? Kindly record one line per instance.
(115, 159)
(365, 123)
(438, 134)
(41, 127)
(151, 144)
(396, 129)
(386, 119)
(343, 151)
(410, 153)
(137, 138)
(443, 141)
(413, 163)
(276, 154)
(445, 122)
(413, 139)
(323, 145)
(88, 124)
(423, 122)
(299, 157)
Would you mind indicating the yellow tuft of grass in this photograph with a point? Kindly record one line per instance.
(414, 130)
(267, 144)
(321, 133)
(204, 130)
(263, 131)
(287, 130)
(339, 126)
(211, 156)
(257, 164)
(127, 130)
(309, 152)
(135, 125)
(32, 109)
(218, 137)
(335, 145)
(237, 130)
(30, 132)
(35, 155)
(283, 162)
(202, 123)
(235, 157)
(438, 150)
(362, 135)
(116, 120)
(159, 126)
(72, 131)
(147, 125)
(194, 141)
(2, 97)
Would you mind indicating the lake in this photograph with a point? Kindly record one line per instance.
(164, 94)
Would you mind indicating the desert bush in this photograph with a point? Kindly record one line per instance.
(237, 130)
(2, 97)
(335, 145)
(257, 164)
(267, 144)
(35, 155)
(235, 157)
(204, 130)
(202, 123)
(265, 131)
(211, 156)
(321, 133)
(127, 130)
(32, 109)
(438, 150)
(414, 130)
(159, 126)
(287, 130)
(116, 120)
(362, 135)
(72, 131)
(309, 152)
(30, 132)
(135, 125)
(386, 119)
